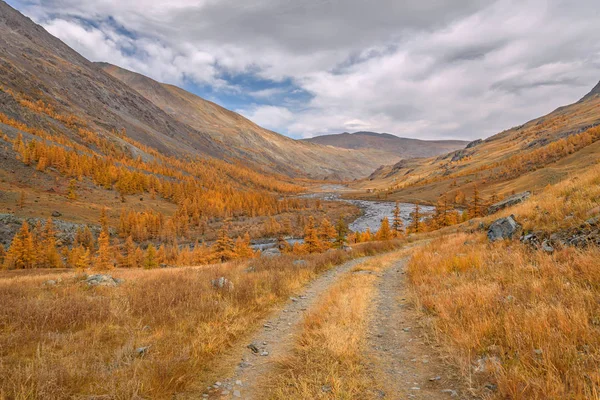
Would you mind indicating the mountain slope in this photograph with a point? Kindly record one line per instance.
(38, 66)
(401, 147)
(243, 139)
(528, 157)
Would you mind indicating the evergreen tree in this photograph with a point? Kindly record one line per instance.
(475, 206)
(83, 259)
(85, 238)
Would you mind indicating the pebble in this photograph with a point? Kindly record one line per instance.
(238, 382)
(264, 353)
(452, 393)
(437, 378)
(237, 393)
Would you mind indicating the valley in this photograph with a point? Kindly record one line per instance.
(157, 245)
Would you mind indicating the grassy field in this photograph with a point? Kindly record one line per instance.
(524, 319)
(69, 340)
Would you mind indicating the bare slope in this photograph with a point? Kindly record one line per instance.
(398, 146)
(241, 138)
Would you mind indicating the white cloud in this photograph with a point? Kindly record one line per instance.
(427, 68)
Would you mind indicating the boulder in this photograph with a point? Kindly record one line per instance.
(222, 283)
(508, 202)
(274, 252)
(103, 280)
(503, 228)
(56, 214)
(300, 263)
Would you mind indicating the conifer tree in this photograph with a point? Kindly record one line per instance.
(72, 190)
(341, 231)
(85, 238)
(50, 256)
(104, 220)
(384, 232)
(150, 259)
(311, 239)
(242, 247)
(21, 254)
(103, 260)
(397, 223)
(224, 245)
(475, 206)
(326, 230)
(416, 224)
(83, 260)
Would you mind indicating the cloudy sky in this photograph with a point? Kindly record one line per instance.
(415, 68)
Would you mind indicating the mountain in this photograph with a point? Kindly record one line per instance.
(40, 67)
(243, 139)
(524, 158)
(401, 147)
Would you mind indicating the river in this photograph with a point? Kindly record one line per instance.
(372, 212)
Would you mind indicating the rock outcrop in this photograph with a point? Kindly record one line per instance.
(503, 228)
(508, 202)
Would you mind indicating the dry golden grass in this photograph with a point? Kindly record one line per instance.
(327, 361)
(530, 320)
(72, 340)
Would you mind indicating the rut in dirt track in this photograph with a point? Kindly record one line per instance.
(400, 359)
(275, 339)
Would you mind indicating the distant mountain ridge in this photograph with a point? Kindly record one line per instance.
(391, 144)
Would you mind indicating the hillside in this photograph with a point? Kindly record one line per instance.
(527, 157)
(242, 139)
(39, 66)
(394, 145)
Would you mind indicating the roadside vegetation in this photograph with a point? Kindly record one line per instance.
(156, 334)
(518, 319)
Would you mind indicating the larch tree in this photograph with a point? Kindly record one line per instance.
(341, 231)
(384, 232)
(72, 190)
(311, 238)
(416, 223)
(223, 248)
(242, 247)
(397, 223)
(50, 256)
(103, 260)
(2, 255)
(150, 258)
(21, 254)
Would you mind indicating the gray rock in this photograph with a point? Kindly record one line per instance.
(56, 214)
(237, 393)
(141, 351)
(508, 202)
(347, 249)
(222, 283)
(300, 263)
(474, 143)
(452, 393)
(547, 247)
(253, 347)
(50, 282)
(503, 228)
(274, 252)
(103, 280)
